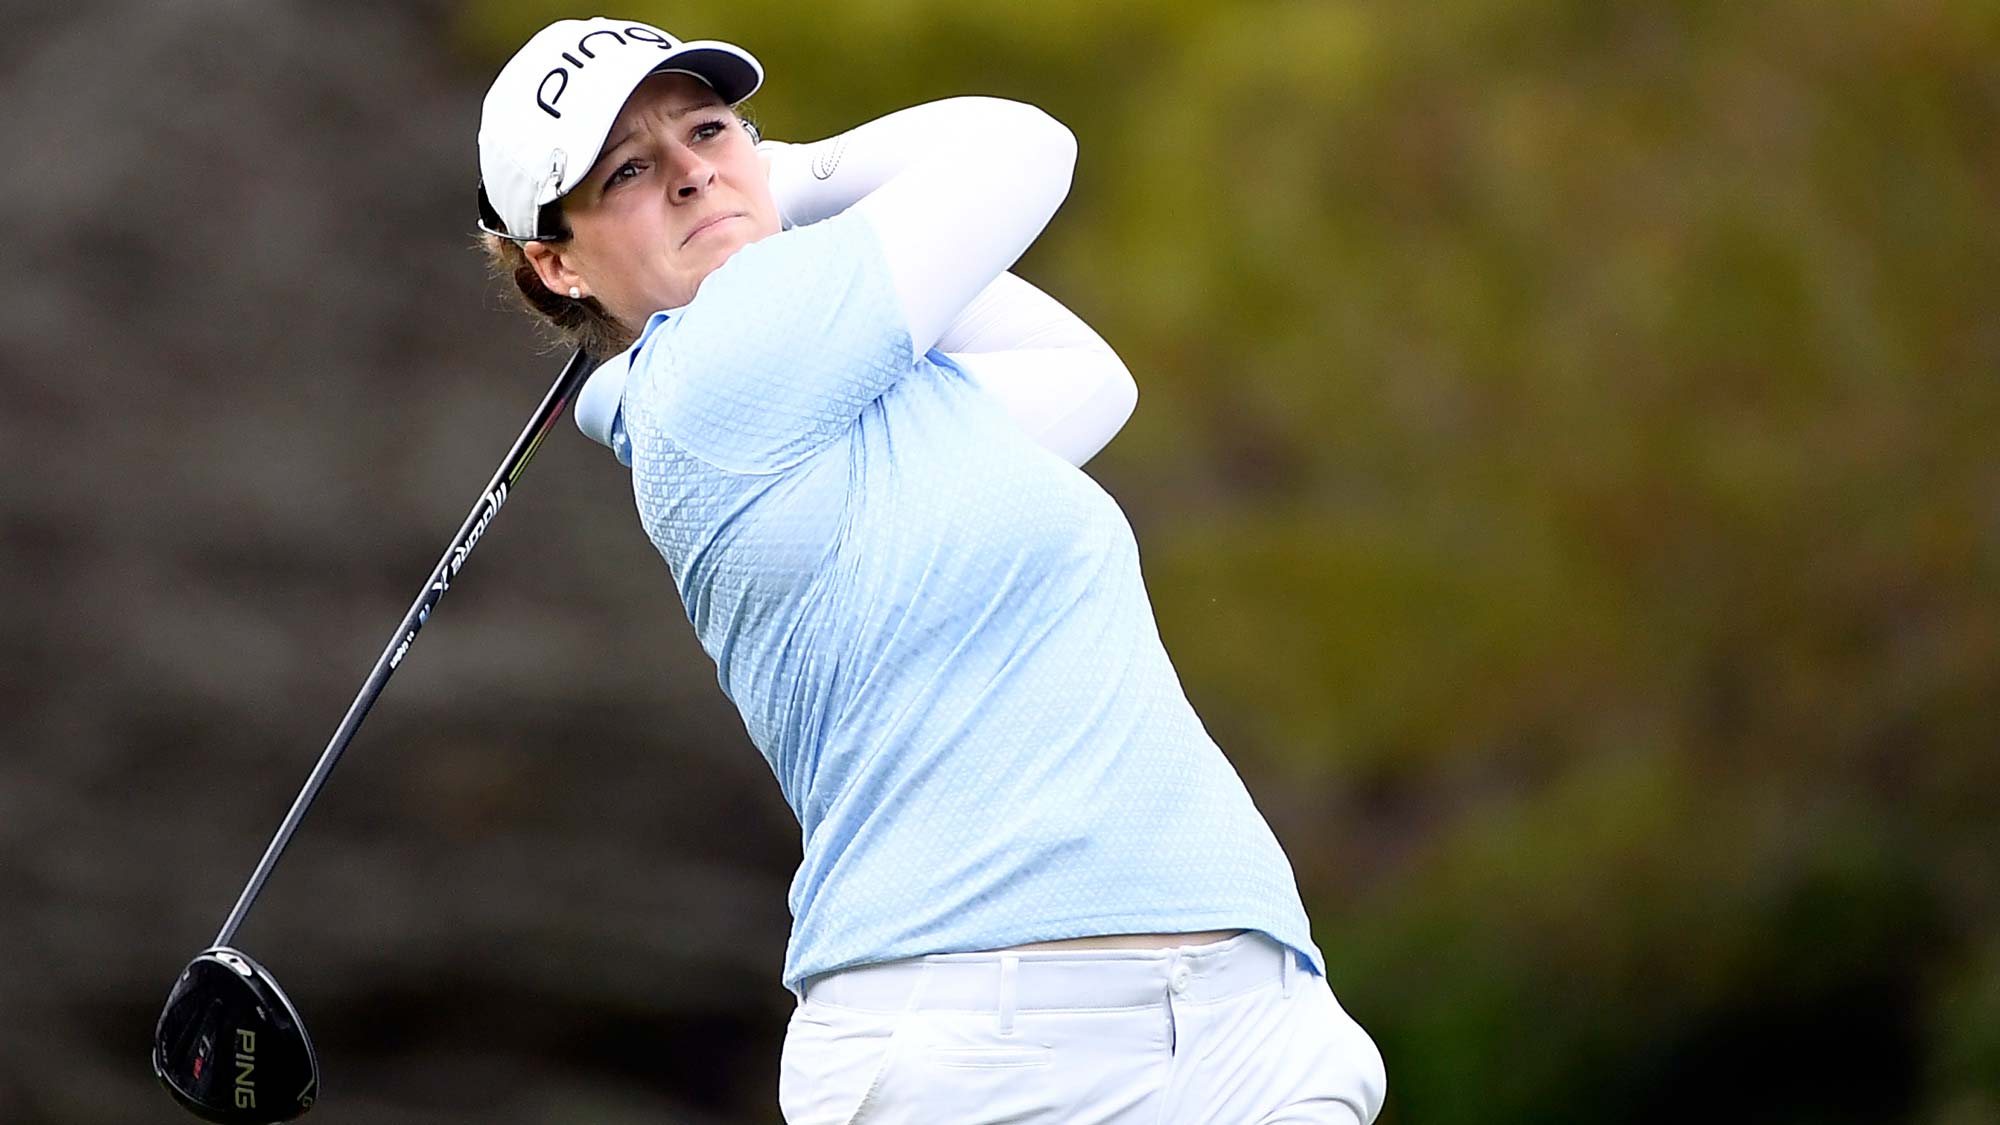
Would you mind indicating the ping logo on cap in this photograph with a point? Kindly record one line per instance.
(560, 74)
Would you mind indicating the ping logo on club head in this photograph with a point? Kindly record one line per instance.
(246, 1062)
(547, 98)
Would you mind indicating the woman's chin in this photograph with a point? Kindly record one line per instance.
(719, 250)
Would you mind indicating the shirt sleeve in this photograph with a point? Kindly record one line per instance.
(1052, 374)
(781, 349)
(1072, 403)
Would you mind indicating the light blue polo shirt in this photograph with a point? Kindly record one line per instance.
(935, 631)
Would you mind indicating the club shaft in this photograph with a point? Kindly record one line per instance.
(469, 533)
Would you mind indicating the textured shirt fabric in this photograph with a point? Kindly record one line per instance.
(935, 631)
(1053, 375)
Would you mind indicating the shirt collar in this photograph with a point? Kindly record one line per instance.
(599, 405)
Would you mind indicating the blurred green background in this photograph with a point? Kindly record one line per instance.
(1564, 470)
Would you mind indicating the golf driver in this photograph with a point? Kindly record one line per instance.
(229, 1045)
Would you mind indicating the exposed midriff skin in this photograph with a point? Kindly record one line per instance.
(1133, 941)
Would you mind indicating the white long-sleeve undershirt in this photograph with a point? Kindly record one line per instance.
(1044, 365)
(955, 190)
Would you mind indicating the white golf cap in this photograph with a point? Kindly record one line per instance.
(548, 112)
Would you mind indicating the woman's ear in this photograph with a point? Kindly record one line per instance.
(553, 268)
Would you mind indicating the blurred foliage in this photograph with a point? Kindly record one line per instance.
(1565, 471)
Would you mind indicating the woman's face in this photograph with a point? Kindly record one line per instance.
(677, 189)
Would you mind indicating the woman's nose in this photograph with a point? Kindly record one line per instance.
(690, 173)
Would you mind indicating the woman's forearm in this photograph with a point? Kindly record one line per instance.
(954, 189)
(815, 180)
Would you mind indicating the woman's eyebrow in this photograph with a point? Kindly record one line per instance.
(675, 114)
(614, 146)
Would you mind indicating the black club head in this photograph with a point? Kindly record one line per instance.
(230, 1046)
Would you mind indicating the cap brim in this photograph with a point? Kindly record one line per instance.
(731, 72)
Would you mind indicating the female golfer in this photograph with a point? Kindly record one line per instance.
(1032, 889)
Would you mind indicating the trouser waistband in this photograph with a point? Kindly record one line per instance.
(1056, 979)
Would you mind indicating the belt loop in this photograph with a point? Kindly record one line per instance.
(915, 1000)
(1010, 967)
(1289, 974)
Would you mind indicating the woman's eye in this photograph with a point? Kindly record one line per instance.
(708, 130)
(618, 175)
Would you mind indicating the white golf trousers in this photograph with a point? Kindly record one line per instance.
(1233, 1033)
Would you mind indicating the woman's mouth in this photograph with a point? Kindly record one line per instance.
(707, 225)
